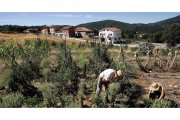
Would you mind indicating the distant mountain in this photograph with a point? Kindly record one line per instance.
(167, 22)
(108, 23)
(135, 27)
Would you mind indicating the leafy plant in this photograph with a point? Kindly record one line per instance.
(81, 93)
(31, 101)
(67, 73)
(160, 103)
(145, 47)
(12, 100)
(48, 92)
(113, 91)
(99, 60)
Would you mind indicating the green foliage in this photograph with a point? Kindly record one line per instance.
(53, 43)
(145, 47)
(100, 103)
(81, 93)
(171, 35)
(156, 37)
(12, 100)
(125, 68)
(131, 91)
(165, 103)
(44, 63)
(48, 92)
(99, 59)
(31, 101)
(113, 91)
(67, 101)
(67, 73)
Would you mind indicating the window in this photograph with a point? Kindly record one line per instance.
(119, 38)
(114, 38)
(100, 34)
(110, 34)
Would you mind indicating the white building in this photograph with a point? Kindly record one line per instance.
(110, 34)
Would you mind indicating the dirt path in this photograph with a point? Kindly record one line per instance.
(170, 82)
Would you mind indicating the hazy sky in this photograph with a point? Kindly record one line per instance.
(70, 18)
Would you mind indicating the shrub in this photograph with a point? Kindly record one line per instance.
(145, 47)
(67, 74)
(99, 59)
(46, 72)
(67, 101)
(100, 103)
(31, 101)
(53, 43)
(48, 92)
(23, 73)
(44, 63)
(12, 100)
(113, 91)
(131, 91)
(81, 93)
(165, 103)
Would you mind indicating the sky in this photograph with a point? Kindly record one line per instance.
(75, 18)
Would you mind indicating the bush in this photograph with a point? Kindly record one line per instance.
(113, 91)
(67, 101)
(165, 103)
(53, 43)
(12, 100)
(67, 74)
(48, 91)
(81, 93)
(145, 47)
(99, 60)
(44, 63)
(31, 101)
(100, 103)
(131, 91)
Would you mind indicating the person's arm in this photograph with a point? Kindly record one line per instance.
(162, 94)
(149, 94)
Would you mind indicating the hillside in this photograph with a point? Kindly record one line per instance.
(137, 27)
(108, 23)
(167, 21)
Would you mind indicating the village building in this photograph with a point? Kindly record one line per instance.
(83, 32)
(68, 31)
(55, 29)
(45, 31)
(110, 35)
(51, 30)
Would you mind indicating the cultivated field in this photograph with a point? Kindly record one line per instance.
(47, 71)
